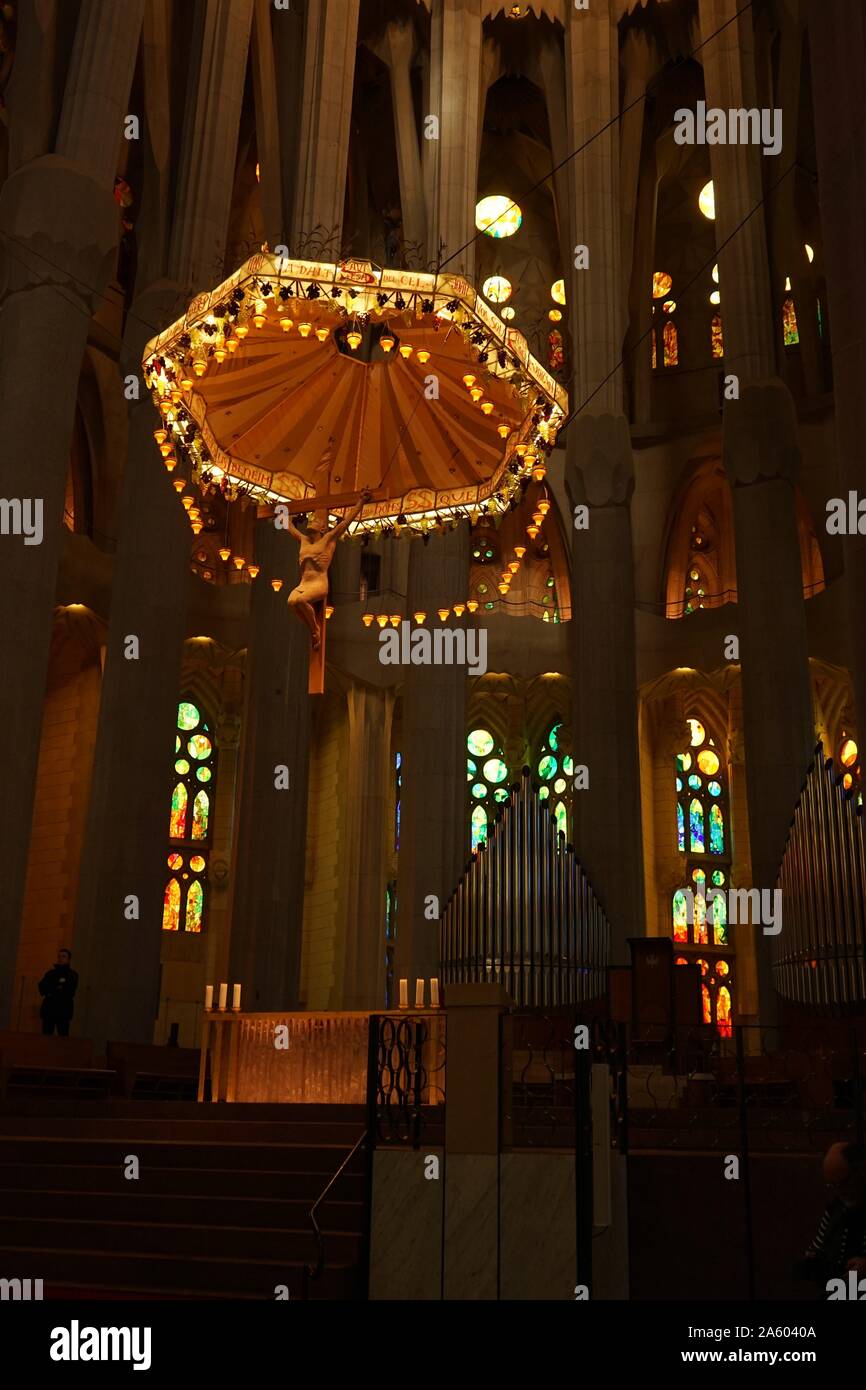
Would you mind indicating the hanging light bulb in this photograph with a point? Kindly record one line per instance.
(239, 562)
(469, 379)
(305, 329)
(394, 619)
(199, 366)
(514, 566)
(286, 323)
(242, 330)
(420, 617)
(503, 431)
(329, 611)
(220, 353)
(520, 450)
(322, 334)
(170, 463)
(353, 338)
(544, 506)
(459, 609)
(476, 393)
(382, 619)
(186, 503)
(276, 585)
(537, 517)
(520, 551)
(179, 484)
(224, 553)
(196, 527)
(186, 381)
(406, 350)
(538, 471)
(487, 407)
(423, 355)
(232, 344)
(472, 604)
(386, 342)
(253, 570)
(443, 613)
(160, 436)
(503, 587)
(367, 619)
(532, 531)
(260, 313)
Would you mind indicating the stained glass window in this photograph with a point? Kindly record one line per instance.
(699, 914)
(554, 770)
(718, 340)
(671, 344)
(487, 776)
(189, 827)
(790, 332)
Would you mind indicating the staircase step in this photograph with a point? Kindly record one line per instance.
(132, 1205)
(324, 1157)
(180, 1182)
(180, 1240)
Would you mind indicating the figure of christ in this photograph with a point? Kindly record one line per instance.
(317, 552)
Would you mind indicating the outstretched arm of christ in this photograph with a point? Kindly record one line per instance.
(342, 526)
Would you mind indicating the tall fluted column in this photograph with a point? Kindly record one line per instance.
(837, 35)
(434, 825)
(364, 854)
(55, 269)
(123, 854)
(600, 477)
(761, 455)
(395, 49)
(329, 72)
(455, 98)
(270, 843)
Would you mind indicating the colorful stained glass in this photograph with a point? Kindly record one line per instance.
(568, 766)
(790, 332)
(194, 905)
(543, 793)
(681, 828)
(479, 791)
(196, 863)
(171, 906)
(175, 861)
(479, 826)
(203, 774)
(699, 879)
(695, 782)
(200, 813)
(720, 919)
(681, 927)
(553, 737)
(696, 826)
(698, 732)
(561, 817)
(671, 345)
(718, 878)
(717, 830)
(703, 964)
(480, 743)
(181, 767)
(684, 762)
(176, 743)
(177, 823)
(501, 794)
(661, 283)
(705, 1001)
(200, 746)
(555, 351)
(471, 769)
(714, 788)
(653, 347)
(708, 762)
(723, 1012)
(547, 766)
(187, 716)
(495, 770)
(718, 340)
(722, 968)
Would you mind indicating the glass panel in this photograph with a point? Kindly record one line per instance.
(203, 774)
(187, 716)
(720, 918)
(196, 863)
(561, 819)
(681, 828)
(671, 348)
(714, 788)
(723, 1012)
(790, 332)
(705, 1000)
(717, 336)
(177, 823)
(171, 906)
(200, 813)
(547, 767)
(699, 733)
(480, 743)
(194, 901)
(717, 830)
(175, 861)
(552, 741)
(696, 826)
(495, 770)
(479, 826)
(708, 762)
(681, 929)
(199, 746)
(502, 794)
(181, 767)
(479, 791)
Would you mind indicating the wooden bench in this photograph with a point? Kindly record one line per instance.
(144, 1070)
(33, 1061)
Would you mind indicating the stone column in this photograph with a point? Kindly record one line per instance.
(329, 74)
(434, 824)
(600, 476)
(58, 229)
(637, 60)
(395, 49)
(270, 842)
(761, 454)
(455, 97)
(124, 850)
(364, 867)
(837, 35)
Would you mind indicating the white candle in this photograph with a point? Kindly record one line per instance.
(434, 993)
(404, 994)
(224, 991)
(208, 996)
(236, 997)
(419, 994)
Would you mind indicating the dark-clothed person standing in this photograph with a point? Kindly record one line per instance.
(57, 987)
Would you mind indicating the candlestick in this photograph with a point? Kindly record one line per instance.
(208, 997)
(224, 991)
(434, 993)
(419, 994)
(404, 994)
(236, 997)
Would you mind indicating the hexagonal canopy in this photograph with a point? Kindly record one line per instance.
(297, 379)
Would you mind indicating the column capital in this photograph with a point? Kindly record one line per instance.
(59, 227)
(759, 439)
(599, 467)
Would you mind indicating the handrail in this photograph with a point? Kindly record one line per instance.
(315, 1271)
